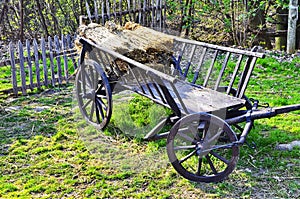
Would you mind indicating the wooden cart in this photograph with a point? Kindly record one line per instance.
(205, 89)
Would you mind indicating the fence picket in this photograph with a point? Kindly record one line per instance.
(64, 48)
(29, 61)
(70, 46)
(22, 68)
(13, 68)
(43, 47)
(51, 61)
(58, 62)
(37, 64)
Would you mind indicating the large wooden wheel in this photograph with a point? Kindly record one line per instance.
(201, 148)
(94, 94)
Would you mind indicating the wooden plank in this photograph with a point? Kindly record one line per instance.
(44, 59)
(13, 68)
(50, 45)
(22, 67)
(64, 48)
(37, 64)
(58, 61)
(29, 61)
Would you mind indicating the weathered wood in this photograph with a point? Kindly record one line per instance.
(45, 70)
(126, 39)
(37, 64)
(58, 61)
(22, 67)
(50, 45)
(64, 47)
(13, 68)
(30, 73)
(70, 46)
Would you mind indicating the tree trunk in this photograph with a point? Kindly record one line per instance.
(39, 8)
(292, 26)
(21, 20)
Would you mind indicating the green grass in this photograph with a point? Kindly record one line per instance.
(52, 153)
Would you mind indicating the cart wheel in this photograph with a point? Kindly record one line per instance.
(94, 94)
(201, 148)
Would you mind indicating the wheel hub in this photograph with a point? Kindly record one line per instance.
(90, 94)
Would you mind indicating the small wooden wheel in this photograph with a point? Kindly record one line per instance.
(94, 94)
(201, 148)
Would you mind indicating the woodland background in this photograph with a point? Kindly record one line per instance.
(228, 22)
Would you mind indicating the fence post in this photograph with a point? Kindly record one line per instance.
(13, 69)
(43, 47)
(37, 64)
(51, 61)
(64, 48)
(29, 64)
(57, 48)
(22, 68)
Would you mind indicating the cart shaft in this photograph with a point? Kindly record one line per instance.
(265, 113)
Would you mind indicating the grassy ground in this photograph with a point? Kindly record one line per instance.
(47, 150)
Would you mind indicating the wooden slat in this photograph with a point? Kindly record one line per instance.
(64, 48)
(70, 46)
(29, 61)
(50, 45)
(88, 11)
(247, 78)
(187, 67)
(37, 64)
(210, 68)
(235, 72)
(103, 12)
(199, 65)
(221, 73)
(120, 12)
(44, 59)
(96, 11)
(22, 67)
(13, 68)
(57, 48)
(108, 9)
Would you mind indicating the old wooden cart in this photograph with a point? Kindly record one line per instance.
(206, 92)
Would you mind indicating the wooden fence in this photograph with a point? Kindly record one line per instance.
(149, 13)
(36, 64)
(50, 62)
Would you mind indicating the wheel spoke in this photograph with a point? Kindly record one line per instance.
(220, 157)
(102, 104)
(99, 107)
(199, 166)
(187, 157)
(87, 103)
(177, 148)
(97, 112)
(211, 164)
(183, 135)
(92, 112)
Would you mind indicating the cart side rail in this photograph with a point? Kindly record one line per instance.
(217, 67)
(135, 76)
